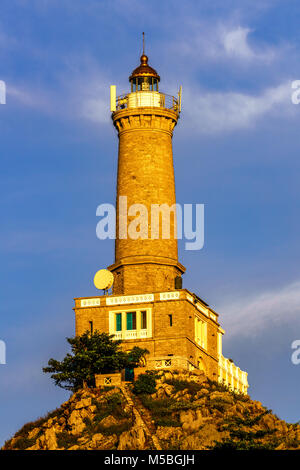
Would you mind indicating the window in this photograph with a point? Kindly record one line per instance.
(170, 320)
(201, 332)
(129, 324)
(91, 327)
(144, 320)
(131, 320)
(119, 322)
(146, 84)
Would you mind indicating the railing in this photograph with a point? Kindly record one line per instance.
(152, 99)
(130, 334)
(229, 374)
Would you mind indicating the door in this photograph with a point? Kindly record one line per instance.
(129, 375)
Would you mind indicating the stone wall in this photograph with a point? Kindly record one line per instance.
(108, 380)
(145, 176)
(165, 341)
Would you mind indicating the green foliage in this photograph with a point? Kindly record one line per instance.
(219, 404)
(145, 383)
(184, 405)
(229, 444)
(23, 432)
(65, 439)
(162, 411)
(191, 387)
(167, 421)
(243, 437)
(158, 407)
(91, 354)
(218, 386)
(111, 406)
(114, 428)
(24, 442)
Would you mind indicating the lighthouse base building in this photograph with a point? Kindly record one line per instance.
(148, 307)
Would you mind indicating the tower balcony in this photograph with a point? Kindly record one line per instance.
(149, 99)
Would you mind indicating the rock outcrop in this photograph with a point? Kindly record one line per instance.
(185, 411)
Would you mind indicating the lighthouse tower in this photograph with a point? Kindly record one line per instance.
(145, 120)
(149, 307)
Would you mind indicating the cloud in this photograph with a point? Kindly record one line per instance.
(251, 315)
(28, 97)
(76, 95)
(93, 103)
(215, 112)
(235, 44)
(223, 42)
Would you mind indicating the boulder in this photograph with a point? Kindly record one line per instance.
(108, 421)
(222, 396)
(191, 420)
(33, 433)
(84, 403)
(48, 440)
(135, 438)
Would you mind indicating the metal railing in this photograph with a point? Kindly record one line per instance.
(147, 99)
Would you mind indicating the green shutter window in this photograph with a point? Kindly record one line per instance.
(119, 322)
(144, 320)
(131, 320)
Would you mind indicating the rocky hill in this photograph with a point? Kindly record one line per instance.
(180, 411)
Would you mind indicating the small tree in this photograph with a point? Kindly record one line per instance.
(91, 354)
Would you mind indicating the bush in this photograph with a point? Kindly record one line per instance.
(167, 421)
(145, 383)
(114, 429)
(112, 406)
(65, 439)
(179, 385)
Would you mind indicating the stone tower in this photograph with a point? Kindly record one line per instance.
(145, 120)
(148, 307)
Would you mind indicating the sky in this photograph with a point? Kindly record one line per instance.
(236, 150)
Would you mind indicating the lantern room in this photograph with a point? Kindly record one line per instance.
(144, 77)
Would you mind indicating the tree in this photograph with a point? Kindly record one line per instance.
(91, 353)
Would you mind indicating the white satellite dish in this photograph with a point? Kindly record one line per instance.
(103, 279)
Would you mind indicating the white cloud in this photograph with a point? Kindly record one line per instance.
(94, 103)
(235, 44)
(77, 96)
(213, 112)
(250, 316)
(27, 97)
(222, 42)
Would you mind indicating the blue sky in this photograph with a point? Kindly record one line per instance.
(236, 149)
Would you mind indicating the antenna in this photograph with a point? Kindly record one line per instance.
(179, 98)
(143, 43)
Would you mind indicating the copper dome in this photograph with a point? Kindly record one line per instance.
(144, 70)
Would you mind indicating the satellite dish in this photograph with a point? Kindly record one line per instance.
(103, 279)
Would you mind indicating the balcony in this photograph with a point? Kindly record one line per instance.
(152, 99)
(130, 334)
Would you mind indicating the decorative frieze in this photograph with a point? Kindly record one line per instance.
(90, 302)
(129, 299)
(169, 295)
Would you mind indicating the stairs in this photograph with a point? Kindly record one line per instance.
(142, 416)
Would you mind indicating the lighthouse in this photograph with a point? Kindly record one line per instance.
(145, 120)
(149, 307)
